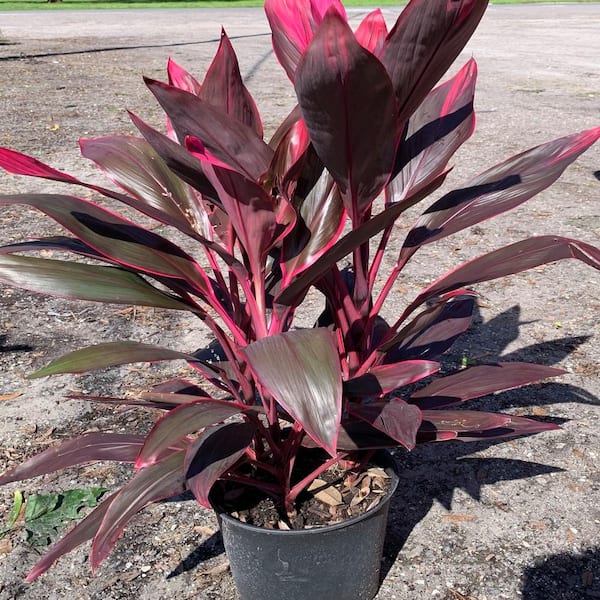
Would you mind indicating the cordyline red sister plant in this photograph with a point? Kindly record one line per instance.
(370, 137)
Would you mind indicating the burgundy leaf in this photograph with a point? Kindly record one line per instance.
(293, 23)
(443, 121)
(212, 454)
(372, 32)
(383, 379)
(118, 238)
(180, 422)
(320, 224)
(109, 354)
(85, 448)
(230, 140)
(161, 480)
(224, 89)
(293, 293)
(514, 258)
(396, 419)
(135, 166)
(252, 212)
(498, 189)
(461, 421)
(432, 331)
(21, 164)
(84, 282)
(84, 531)
(423, 44)
(301, 370)
(514, 427)
(479, 381)
(176, 157)
(336, 79)
(357, 435)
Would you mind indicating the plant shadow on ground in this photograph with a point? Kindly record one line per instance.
(424, 479)
(568, 576)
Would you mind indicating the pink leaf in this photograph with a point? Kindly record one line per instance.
(372, 32)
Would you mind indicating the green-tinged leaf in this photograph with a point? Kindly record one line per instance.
(110, 354)
(301, 370)
(84, 282)
(82, 532)
(13, 515)
(478, 381)
(161, 480)
(94, 446)
(181, 421)
(39, 504)
(423, 44)
(213, 453)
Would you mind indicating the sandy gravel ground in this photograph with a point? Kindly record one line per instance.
(479, 522)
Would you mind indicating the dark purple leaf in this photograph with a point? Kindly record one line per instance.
(498, 189)
(396, 419)
(161, 480)
(181, 421)
(478, 381)
(336, 79)
(443, 121)
(224, 89)
(230, 140)
(383, 379)
(84, 531)
(109, 354)
(212, 454)
(423, 44)
(301, 370)
(85, 448)
(84, 282)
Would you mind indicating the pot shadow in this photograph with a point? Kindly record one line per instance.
(433, 472)
(568, 576)
(209, 548)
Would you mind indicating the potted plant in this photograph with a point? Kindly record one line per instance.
(294, 413)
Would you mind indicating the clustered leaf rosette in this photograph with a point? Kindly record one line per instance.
(371, 136)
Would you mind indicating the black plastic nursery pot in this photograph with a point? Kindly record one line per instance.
(341, 561)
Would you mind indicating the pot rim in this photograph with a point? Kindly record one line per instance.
(388, 463)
